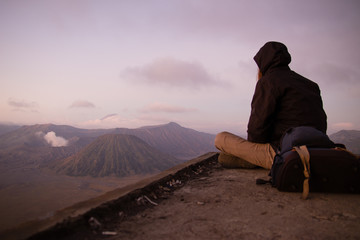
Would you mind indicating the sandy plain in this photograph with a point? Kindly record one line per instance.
(30, 194)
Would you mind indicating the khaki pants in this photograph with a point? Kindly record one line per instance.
(256, 153)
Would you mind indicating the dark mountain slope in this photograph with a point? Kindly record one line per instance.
(5, 128)
(26, 156)
(26, 146)
(115, 154)
(173, 139)
(351, 139)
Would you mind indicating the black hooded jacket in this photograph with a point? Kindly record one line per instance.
(282, 98)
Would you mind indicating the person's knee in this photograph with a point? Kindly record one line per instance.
(219, 140)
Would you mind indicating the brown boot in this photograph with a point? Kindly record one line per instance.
(230, 161)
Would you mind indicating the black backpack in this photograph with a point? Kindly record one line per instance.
(308, 161)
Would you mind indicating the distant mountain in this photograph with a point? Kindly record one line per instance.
(33, 135)
(173, 139)
(5, 128)
(27, 156)
(26, 146)
(182, 143)
(351, 139)
(115, 154)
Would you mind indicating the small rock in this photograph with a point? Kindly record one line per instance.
(109, 233)
(166, 189)
(121, 215)
(94, 223)
(140, 201)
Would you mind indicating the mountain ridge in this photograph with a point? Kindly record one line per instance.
(26, 147)
(5, 128)
(182, 143)
(115, 154)
(171, 138)
(350, 138)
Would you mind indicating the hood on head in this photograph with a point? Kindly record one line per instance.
(272, 54)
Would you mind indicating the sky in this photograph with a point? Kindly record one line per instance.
(132, 63)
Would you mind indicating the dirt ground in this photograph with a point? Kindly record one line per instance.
(228, 204)
(217, 203)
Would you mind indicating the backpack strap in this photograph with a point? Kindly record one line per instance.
(305, 159)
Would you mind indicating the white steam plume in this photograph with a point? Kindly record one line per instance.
(54, 140)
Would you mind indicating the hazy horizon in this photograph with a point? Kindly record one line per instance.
(92, 64)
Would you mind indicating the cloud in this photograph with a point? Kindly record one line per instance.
(162, 107)
(109, 117)
(334, 78)
(335, 74)
(53, 140)
(109, 121)
(342, 126)
(82, 104)
(171, 72)
(118, 121)
(23, 105)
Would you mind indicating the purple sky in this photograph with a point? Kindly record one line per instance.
(101, 64)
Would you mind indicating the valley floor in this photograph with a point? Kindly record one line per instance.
(31, 194)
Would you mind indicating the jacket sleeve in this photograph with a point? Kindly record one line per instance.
(263, 107)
